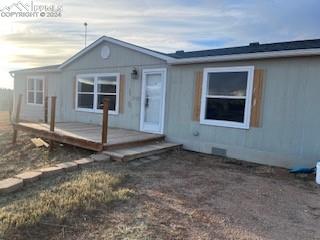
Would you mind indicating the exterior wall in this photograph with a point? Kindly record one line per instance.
(289, 135)
(121, 60)
(62, 85)
(290, 132)
(36, 112)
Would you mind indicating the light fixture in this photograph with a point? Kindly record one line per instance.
(134, 73)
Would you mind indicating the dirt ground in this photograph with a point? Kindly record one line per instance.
(185, 195)
(25, 156)
(177, 195)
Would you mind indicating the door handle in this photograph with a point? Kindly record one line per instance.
(146, 101)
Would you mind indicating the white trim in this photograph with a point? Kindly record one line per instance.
(36, 71)
(226, 97)
(42, 78)
(95, 92)
(247, 56)
(117, 42)
(163, 72)
(247, 111)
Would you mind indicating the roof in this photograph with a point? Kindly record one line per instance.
(49, 68)
(147, 51)
(251, 48)
(251, 51)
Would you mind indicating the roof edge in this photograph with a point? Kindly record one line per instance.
(50, 68)
(149, 52)
(248, 56)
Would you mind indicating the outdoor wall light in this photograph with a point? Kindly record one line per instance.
(134, 73)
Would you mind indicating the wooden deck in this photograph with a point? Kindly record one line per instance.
(87, 136)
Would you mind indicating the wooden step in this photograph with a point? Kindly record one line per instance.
(131, 153)
(153, 139)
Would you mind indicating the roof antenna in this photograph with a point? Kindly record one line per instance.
(85, 34)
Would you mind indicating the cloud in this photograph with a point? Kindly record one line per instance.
(166, 25)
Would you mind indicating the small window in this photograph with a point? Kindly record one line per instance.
(35, 90)
(93, 88)
(226, 96)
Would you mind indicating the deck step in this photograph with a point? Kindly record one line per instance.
(131, 153)
(155, 139)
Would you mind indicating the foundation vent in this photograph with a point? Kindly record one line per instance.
(219, 151)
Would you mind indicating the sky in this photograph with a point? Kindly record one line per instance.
(162, 25)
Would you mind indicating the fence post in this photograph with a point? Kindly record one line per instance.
(52, 119)
(104, 134)
(53, 113)
(17, 119)
(46, 109)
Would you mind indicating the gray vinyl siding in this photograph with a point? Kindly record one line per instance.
(290, 132)
(119, 57)
(289, 135)
(36, 112)
(129, 119)
(121, 60)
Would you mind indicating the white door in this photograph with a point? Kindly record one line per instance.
(153, 100)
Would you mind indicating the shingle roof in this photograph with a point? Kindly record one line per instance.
(179, 55)
(252, 48)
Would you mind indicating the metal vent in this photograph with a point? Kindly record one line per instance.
(219, 151)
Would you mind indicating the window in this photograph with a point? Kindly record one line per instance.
(93, 88)
(107, 87)
(86, 92)
(226, 96)
(35, 86)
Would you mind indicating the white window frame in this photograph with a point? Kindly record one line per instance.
(95, 92)
(248, 97)
(35, 91)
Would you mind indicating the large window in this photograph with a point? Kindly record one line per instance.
(35, 86)
(93, 88)
(226, 96)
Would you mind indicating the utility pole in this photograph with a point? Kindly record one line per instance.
(85, 34)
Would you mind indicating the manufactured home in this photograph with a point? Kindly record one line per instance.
(258, 103)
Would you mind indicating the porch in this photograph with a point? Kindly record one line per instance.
(88, 136)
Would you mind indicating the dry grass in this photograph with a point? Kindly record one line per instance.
(25, 156)
(4, 121)
(184, 195)
(196, 196)
(84, 192)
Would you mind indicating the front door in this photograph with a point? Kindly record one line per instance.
(153, 100)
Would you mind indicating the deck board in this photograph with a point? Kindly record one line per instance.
(86, 135)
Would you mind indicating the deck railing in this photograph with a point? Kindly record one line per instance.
(105, 117)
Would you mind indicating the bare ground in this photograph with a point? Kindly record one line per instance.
(182, 195)
(186, 195)
(25, 156)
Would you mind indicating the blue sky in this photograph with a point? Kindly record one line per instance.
(166, 26)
